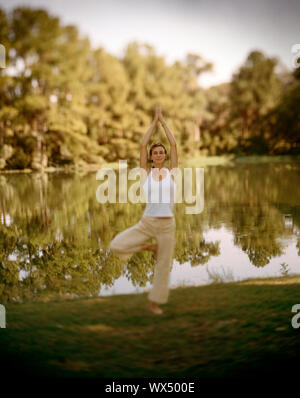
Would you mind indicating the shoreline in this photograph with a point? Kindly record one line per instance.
(264, 280)
(199, 161)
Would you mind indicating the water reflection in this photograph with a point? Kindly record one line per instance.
(54, 234)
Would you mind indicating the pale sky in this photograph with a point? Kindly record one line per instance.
(221, 31)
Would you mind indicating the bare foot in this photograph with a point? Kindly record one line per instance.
(151, 247)
(155, 309)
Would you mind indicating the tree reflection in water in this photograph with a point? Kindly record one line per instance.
(54, 234)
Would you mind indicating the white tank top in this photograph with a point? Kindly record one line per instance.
(159, 196)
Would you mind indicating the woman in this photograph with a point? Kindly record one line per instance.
(158, 219)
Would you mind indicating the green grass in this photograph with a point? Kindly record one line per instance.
(206, 161)
(230, 159)
(198, 161)
(267, 158)
(218, 331)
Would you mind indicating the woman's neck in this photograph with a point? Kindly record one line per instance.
(158, 167)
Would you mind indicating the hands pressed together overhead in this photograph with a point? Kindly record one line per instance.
(159, 117)
(158, 114)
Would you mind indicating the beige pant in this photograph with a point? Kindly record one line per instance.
(126, 243)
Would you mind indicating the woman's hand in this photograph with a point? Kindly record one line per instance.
(158, 110)
(156, 116)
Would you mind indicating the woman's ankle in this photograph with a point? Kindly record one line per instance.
(155, 308)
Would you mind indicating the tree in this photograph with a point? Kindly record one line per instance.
(255, 89)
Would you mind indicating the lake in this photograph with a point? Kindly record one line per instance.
(54, 234)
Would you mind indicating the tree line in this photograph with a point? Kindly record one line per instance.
(63, 103)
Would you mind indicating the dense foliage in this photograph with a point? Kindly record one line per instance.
(64, 103)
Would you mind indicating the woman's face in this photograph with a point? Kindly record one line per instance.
(158, 154)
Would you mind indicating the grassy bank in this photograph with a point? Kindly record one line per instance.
(267, 159)
(219, 331)
(232, 159)
(199, 161)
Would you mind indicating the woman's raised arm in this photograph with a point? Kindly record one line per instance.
(173, 147)
(145, 140)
